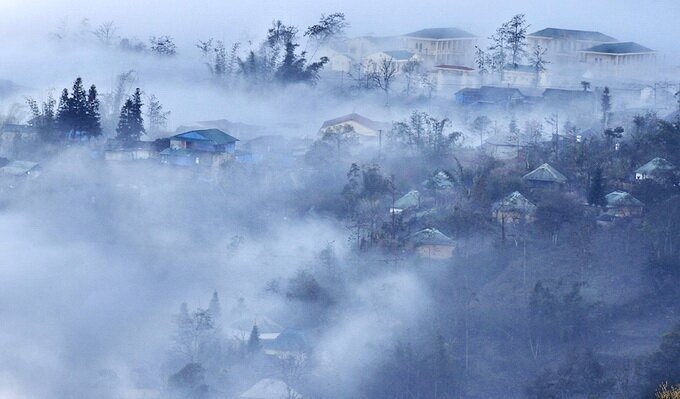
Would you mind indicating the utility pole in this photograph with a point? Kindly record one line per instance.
(379, 144)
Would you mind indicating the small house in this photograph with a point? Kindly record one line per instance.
(442, 45)
(270, 388)
(432, 244)
(410, 200)
(454, 76)
(545, 177)
(207, 147)
(398, 58)
(657, 169)
(490, 96)
(361, 125)
(137, 150)
(622, 204)
(513, 209)
(524, 75)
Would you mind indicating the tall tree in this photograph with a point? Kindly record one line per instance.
(94, 127)
(43, 117)
(516, 38)
(254, 344)
(156, 117)
(131, 123)
(538, 62)
(383, 75)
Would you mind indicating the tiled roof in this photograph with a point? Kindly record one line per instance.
(571, 34)
(619, 48)
(441, 33)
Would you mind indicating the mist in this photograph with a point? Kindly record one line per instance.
(287, 201)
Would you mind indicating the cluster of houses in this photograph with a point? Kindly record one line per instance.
(515, 210)
(449, 55)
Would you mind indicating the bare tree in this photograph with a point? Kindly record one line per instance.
(383, 75)
(293, 366)
(106, 32)
(410, 71)
(538, 62)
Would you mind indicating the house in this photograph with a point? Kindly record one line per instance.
(360, 124)
(359, 47)
(398, 57)
(504, 146)
(19, 169)
(436, 46)
(270, 388)
(622, 204)
(618, 56)
(410, 200)
(524, 75)
(454, 76)
(545, 177)
(504, 97)
(136, 150)
(563, 45)
(513, 209)
(207, 147)
(577, 102)
(432, 244)
(657, 169)
(339, 62)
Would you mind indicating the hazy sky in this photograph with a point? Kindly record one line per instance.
(651, 22)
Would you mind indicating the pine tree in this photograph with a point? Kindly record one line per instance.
(79, 108)
(131, 123)
(93, 116)
(254, 345)
(64, 114)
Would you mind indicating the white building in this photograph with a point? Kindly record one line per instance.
(563, 45)
(436, 46)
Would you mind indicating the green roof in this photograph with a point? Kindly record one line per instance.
(430, 237)
(619, 48)
(546, 173)
(655, 165)
(621, 198)
(441, 33)
(215, 136)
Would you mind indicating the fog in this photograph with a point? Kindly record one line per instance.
(379, 255)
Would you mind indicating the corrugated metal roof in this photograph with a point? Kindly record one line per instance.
(215, 136)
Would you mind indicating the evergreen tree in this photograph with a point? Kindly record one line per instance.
(596, 191)
(43, 117)
(79, 108)
(94, 128)
(64, 114)
(131, 122)
(254, 345)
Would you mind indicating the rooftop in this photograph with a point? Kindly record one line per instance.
(369, 123)
(572, 34)
(215, 136)
(409, 200)
(430, 237)
(454, 67)
(441, 34)
(18, 168)
(545, 173)
(399, 55)
(268, 388)
(621, 198)
(619, 48)
(515, 201)
(655, 165)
